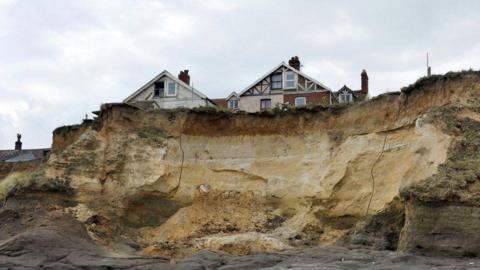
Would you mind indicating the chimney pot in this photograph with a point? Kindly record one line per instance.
(364, 78)
(184, 77)
(294, 62)
(18, 143)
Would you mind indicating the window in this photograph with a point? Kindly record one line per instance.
(172, 89)
(276, 81)
(290, 80)
(233, 104)
(159, 89)
(265, 104)
(346, 98)
(300, 101)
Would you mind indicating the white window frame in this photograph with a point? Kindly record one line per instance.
(346, 98)
(168, 89)
(349, 98)
(230, 104)
(280, 75)
(300, 98)
(264, 100)
(295, 79)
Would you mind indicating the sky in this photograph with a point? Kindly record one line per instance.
(61, 59)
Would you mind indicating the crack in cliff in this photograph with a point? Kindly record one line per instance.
(373, 177)
(175, 189)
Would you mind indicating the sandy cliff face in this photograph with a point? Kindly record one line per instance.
(173, 182)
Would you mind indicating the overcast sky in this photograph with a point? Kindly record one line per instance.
(60, 59)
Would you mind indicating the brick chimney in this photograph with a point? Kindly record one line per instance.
(18, 143)
(294, 62)
(364, 77)
(184, 77)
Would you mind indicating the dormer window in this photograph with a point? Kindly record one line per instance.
(233, 104)
(276, 81)
(290, 80)
(172, 89)
(159, 89)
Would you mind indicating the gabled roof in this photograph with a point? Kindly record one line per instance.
(170, 76)
(220, 102)
(359, 94)
(232, 95)
(344, 88)
(288, 67)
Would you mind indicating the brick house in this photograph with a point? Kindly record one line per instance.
(282, 85)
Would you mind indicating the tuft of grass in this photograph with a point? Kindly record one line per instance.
(36, 180)
(152, 134)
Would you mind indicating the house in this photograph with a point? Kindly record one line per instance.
(347, 95)
(282, 85)
(168, 91)
(19, 154)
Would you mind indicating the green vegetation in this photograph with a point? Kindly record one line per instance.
(152, 134)
(452, 75)
(17, 182)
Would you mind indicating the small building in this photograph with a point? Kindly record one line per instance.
(19, 154)
(168, 91)
(283, 85)
(347, 95)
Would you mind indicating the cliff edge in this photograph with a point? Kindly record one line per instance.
(397, 172)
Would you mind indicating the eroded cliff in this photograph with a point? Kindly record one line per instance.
(399, 171)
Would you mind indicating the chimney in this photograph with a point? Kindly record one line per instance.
(364, 77)
(18, 143)
(184, 77)
(294, 62)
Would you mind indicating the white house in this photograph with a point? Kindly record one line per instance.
(168, 91)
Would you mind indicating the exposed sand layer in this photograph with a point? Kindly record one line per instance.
(399, 172)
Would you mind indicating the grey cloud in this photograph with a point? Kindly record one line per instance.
(61, 59)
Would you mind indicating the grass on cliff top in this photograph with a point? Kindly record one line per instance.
(452, 75)
(36, 180)
(274, 111)
(153, 134)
